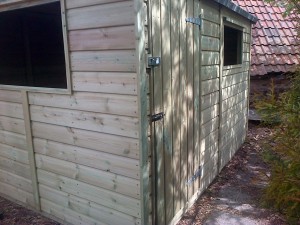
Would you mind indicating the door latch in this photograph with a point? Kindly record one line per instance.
(157, 117)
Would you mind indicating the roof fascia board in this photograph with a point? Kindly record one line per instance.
(230, 5)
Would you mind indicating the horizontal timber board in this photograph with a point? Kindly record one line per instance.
(210, 29)
(14, 167)
(87, 208)
(105, 82)
(210, 58)
(210, 100)
(209, 127)
(66, 214)
(102, 39)
(95, 61)
(125, 105)
(15, 181)
(122, 146)
(234, 89)
(209, 113)
(10, 124)
(105, 123)
(209, 86)
(112, 181)
(104, 197)
(13, 153)
(11, 109)
(210, 72)
(228, 70)
(210, 43)
(107, 15)
(234, 79)
(210, 11)
(17, 194)
(10, 96)
(13, 139)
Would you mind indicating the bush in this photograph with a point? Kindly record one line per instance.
(283, 148)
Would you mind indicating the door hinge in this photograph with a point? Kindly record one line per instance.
(157, 117)
(194, 20)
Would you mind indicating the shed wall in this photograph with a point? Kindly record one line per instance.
(86, 144)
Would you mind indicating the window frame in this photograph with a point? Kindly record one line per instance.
(231, 24)
(19, 4)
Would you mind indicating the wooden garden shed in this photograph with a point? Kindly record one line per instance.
(119, 111)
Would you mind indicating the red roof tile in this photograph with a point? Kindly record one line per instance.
(274, 44)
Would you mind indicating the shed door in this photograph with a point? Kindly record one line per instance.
(172, 93)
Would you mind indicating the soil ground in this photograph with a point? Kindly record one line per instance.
(233, 198)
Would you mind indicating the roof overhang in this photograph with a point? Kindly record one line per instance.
(230, 5)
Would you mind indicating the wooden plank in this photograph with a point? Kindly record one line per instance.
(104, 82)
(158, 106)
(66, 214)
(209, 86)
(13, 139)
(13, 153)
(85, 207)
(175, 13)
(197, 95)
(30, 149)
(210, 29)
(167, 103)
(79, 3)
(210, 43)
(209, 114)
(122, 146)
(15, 167)
(209, 127)
(13, 125)
(234, 89)
(109, 124)
(17, 194)
(15, 181)
(190, 98)
(210, 58)
(231, 70)
(10, 96)
(234, 79)
(183, 102)
(112, 61)
(101, 196)
(11, 109)
(209, 100)
(95, 159)
(93, 102)
(107, 15)
(102, 39)
(142, 27)
(210, 12)
(210, 72)
(103, 179)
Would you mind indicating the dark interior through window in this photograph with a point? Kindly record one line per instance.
(32, 48)
(232, 46)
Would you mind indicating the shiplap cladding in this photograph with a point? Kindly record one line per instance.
(235, 87)
(86, 144)
(15, 174)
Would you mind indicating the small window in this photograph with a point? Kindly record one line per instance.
(32, 47)
(232, 46)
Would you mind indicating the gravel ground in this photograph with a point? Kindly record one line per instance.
(235, 193)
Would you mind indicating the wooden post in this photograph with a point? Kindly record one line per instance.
(30, 150)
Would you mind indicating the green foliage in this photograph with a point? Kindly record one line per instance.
(283, 149)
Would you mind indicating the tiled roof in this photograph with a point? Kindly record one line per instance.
(274, 44)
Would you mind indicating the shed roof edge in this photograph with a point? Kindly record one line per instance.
(230, 5)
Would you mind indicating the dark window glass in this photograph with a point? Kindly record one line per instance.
(31, 47)
(232, 46)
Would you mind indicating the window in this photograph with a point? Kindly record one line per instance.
(32, 47)
(232, 46)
